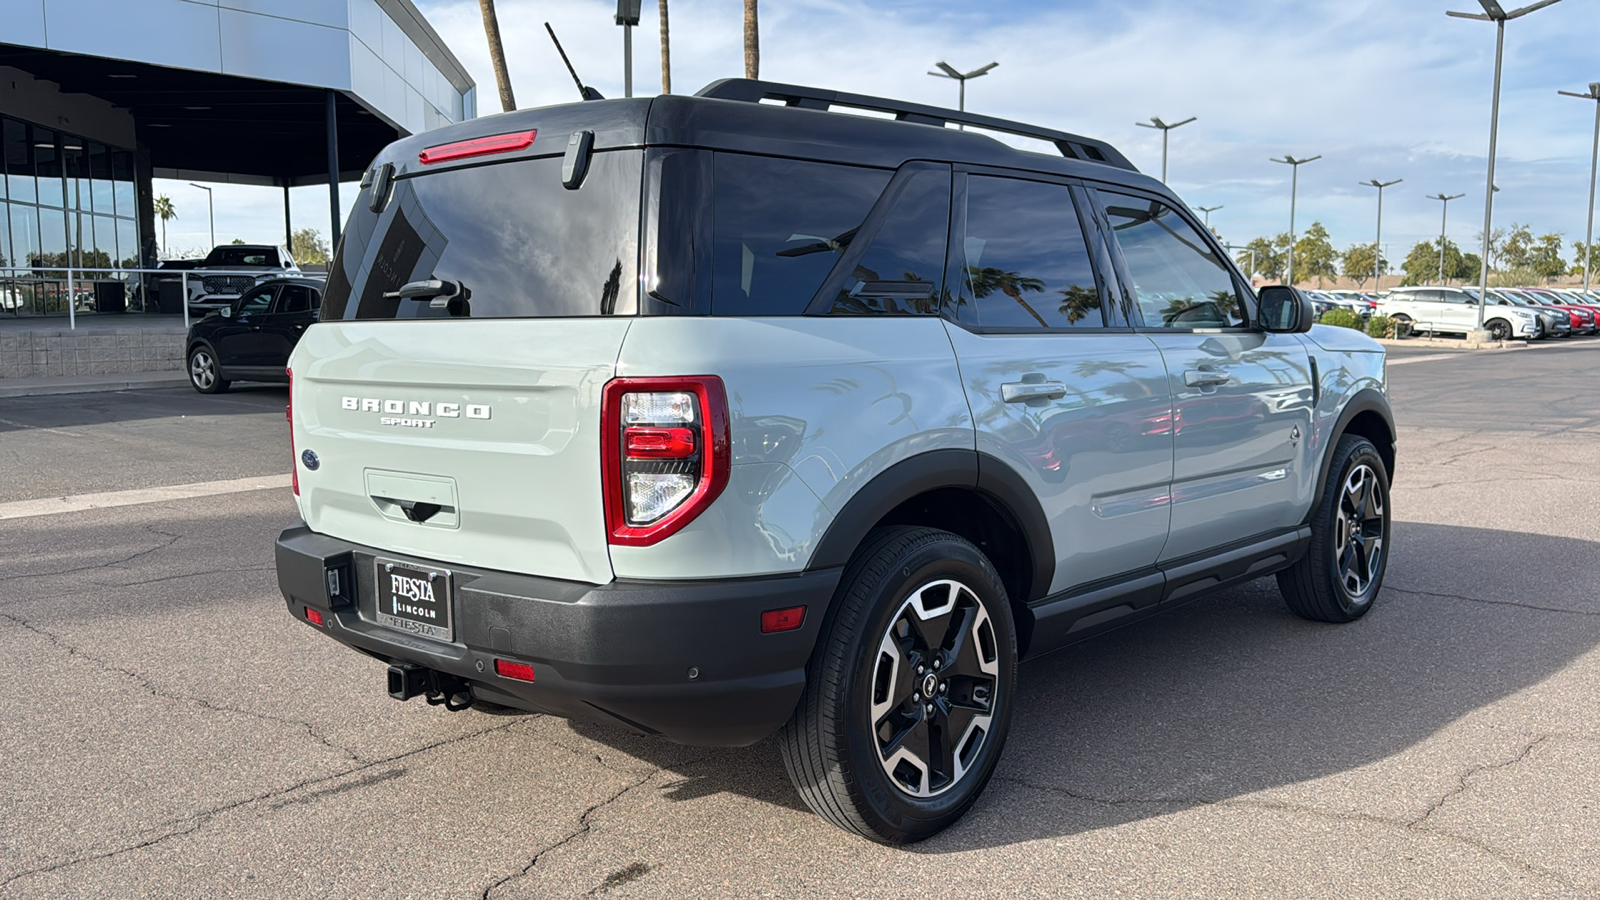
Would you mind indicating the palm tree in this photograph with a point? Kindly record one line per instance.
(164, 211)
(986, 280)
(497, 55)
(666, 53)
(752, 41)
(1078, 301)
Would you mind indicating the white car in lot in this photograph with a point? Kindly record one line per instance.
(1454, 310)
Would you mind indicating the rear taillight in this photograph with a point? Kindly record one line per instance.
(294, 458)
(664, 454)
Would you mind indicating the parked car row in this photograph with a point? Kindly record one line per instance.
(1358, 302)
(1531, 313)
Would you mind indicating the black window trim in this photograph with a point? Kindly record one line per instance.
(823, 301)
(1241, 285)
(955, 253)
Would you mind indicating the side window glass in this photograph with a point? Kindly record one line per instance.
(1026, 264)
(294, 299)
(1427, 296)
(257, 302)
(1178, 281)
(899, 273)
(780, 225)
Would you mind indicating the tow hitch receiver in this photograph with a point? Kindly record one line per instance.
(439, 689)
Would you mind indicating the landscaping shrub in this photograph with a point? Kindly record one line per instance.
(1342, 318)
(1381, 327)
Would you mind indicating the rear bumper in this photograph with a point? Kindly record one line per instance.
(684, 660)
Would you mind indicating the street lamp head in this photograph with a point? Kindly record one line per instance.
(628, 12)
(1594, 93)
(1289, 160)
(1380, 185)
(948, 71)
(1492, 8)
(1155, 122)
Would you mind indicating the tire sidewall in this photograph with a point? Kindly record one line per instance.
(1361, 452)
(957, 560)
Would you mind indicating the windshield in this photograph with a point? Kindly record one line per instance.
(518, 242)
(242, 256)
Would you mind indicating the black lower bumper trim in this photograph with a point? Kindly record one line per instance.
(686, 660)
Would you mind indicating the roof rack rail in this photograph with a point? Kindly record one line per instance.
(1071, 146)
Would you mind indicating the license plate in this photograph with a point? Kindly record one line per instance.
(414, 598)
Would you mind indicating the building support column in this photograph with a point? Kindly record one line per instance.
(333, 168)
(288, 224)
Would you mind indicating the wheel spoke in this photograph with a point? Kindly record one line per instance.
(908, 752)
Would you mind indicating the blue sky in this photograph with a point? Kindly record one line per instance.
(1381, 90)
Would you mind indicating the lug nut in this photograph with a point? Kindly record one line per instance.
(921, 669)
(930, 708)
(942, 688)
(936, 664)
(916, 698)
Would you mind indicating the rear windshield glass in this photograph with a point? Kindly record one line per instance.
(519, 242)
(238, 256)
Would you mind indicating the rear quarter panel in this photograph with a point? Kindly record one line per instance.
(818, 407)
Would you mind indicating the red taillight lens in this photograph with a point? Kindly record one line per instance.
(659, 443)
(664, 454)
(505, 668)
(498, 143)
(776, 620)
(313, 616)
(294, 458)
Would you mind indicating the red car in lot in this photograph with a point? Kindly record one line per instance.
(1583, 317)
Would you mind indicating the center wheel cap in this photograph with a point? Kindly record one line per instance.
(930, 684)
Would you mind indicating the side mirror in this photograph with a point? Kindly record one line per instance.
(227, 312)
(1284, 310)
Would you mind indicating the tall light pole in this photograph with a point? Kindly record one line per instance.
(1443, 218)
(1207, 211)
(948, 71)
(1377, 245)
(1594, 162)
(1492, 12)
(210, 212)
(1155, 122)
(627, 17)
(1294, 189)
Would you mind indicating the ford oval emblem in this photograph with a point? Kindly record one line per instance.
(309, 457)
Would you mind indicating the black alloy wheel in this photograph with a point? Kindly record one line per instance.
(1499, 329)
(1340, 575)
(908, 696)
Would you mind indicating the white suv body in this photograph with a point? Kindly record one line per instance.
(1454, 310)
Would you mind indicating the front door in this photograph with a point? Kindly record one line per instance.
(1062, 390)
(1242, 399)
(240, 342)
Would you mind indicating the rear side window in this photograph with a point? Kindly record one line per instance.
(780, 225)
(900, 271)
(510, 233)
(1177, 279)
(295, 298)
(1026, 262)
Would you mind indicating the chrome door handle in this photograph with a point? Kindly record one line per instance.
(1204, 377)
(1023, 391)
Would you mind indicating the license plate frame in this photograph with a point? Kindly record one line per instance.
(416, 599)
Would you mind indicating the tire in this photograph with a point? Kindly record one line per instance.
(871, 764)
(204, 374)
(1342, 571)
(1499, 329)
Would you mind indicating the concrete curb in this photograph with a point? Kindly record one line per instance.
(89, 384)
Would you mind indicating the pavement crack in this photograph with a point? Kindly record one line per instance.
(149, 687)
(1465, 778)
(198, 820)
(1466, 599)
(584, 824)
(170, 540)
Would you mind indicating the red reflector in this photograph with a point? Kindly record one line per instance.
(499, 143)
(775, 620)
(313, 616)
(505, 668)
(659, 443)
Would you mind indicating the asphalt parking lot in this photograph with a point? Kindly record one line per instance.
(170, 731)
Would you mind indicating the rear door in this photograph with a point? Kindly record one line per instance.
(292, 313)
(1061, 388)
(467, 430)
(1242, 398)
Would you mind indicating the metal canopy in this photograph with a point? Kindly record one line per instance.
(211, 127)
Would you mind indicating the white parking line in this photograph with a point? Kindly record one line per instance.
(22, 509)
(1429, 358)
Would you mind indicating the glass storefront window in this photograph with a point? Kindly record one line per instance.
(128, 243)
(6, 259)
(47, 165)
(122, 179)
(19, 162)
(100, 175)
(25, 234)
(76, 166)
(105, 243)
(52, 237)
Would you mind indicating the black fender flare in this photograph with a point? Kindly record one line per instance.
(1363, 401)
(990, 478)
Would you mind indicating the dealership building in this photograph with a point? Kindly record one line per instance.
(99, 97)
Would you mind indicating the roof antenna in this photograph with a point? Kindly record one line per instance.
(588, 93)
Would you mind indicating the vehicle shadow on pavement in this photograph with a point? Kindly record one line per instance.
(107, 407)
(1234, 695)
